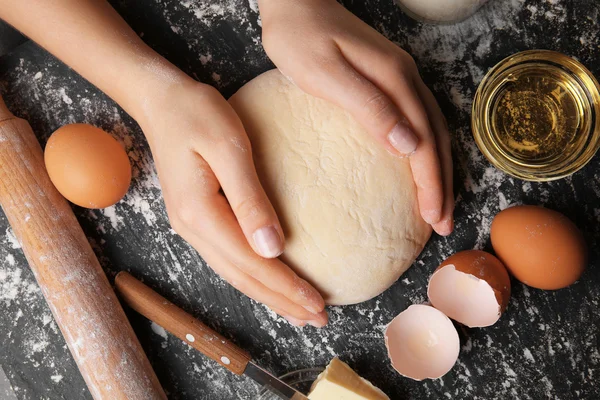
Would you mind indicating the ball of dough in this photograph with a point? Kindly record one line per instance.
(348, 207)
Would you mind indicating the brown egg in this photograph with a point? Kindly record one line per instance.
(471, 287)
(540, 247)
(87, 166)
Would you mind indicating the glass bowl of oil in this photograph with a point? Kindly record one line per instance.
(536, 115)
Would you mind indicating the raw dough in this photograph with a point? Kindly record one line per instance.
(347, 206)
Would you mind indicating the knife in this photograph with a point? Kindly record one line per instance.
(156, 308)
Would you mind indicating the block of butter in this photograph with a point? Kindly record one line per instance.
(340, 382)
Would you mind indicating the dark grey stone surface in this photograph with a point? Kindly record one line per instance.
(9, 38)
(6, 391)
(545, 346)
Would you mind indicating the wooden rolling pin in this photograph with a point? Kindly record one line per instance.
(84, 305)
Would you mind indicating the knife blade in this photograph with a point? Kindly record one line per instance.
(271, 383)
(156, 308)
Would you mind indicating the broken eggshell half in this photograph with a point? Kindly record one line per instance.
(422, 343)
(471, 287)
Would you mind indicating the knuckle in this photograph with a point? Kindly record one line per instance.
(209, 91)
(403, 64)
(185, 216)
(396, 60)
(408, 61)
(174, 221)
(177, 226)
(227, 142)
(377, 106)
(235, 144)
(249, 207)
(322, 75)
(206, 96)
(324, 63)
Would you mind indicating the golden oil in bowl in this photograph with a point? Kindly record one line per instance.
(536, 115)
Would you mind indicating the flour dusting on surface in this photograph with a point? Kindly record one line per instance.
(541, 340)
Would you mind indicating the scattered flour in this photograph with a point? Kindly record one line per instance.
(12, 239)
(65, 97)
(205, 59)
(10, 259)
(528, 355)
(253, 5)
(10, 283)
(115, 220)
(159, 330)
(457, 52)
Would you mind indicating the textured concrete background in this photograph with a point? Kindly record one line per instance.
(545, 346)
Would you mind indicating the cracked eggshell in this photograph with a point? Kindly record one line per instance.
(422, 343)
(471, 287)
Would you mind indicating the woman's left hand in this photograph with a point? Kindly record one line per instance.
(331, 54)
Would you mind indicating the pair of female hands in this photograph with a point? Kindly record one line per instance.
(328, 53)
(200, 146)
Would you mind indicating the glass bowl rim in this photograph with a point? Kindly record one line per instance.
(531, 172)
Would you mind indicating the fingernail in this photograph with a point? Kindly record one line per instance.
(311, 310)
(402, 138)
(295, 321)
(268, 242)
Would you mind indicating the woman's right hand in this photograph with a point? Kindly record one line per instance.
(215, 200)
(330, 53)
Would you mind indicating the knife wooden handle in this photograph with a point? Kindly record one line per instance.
(78, 293)
(181, 324)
